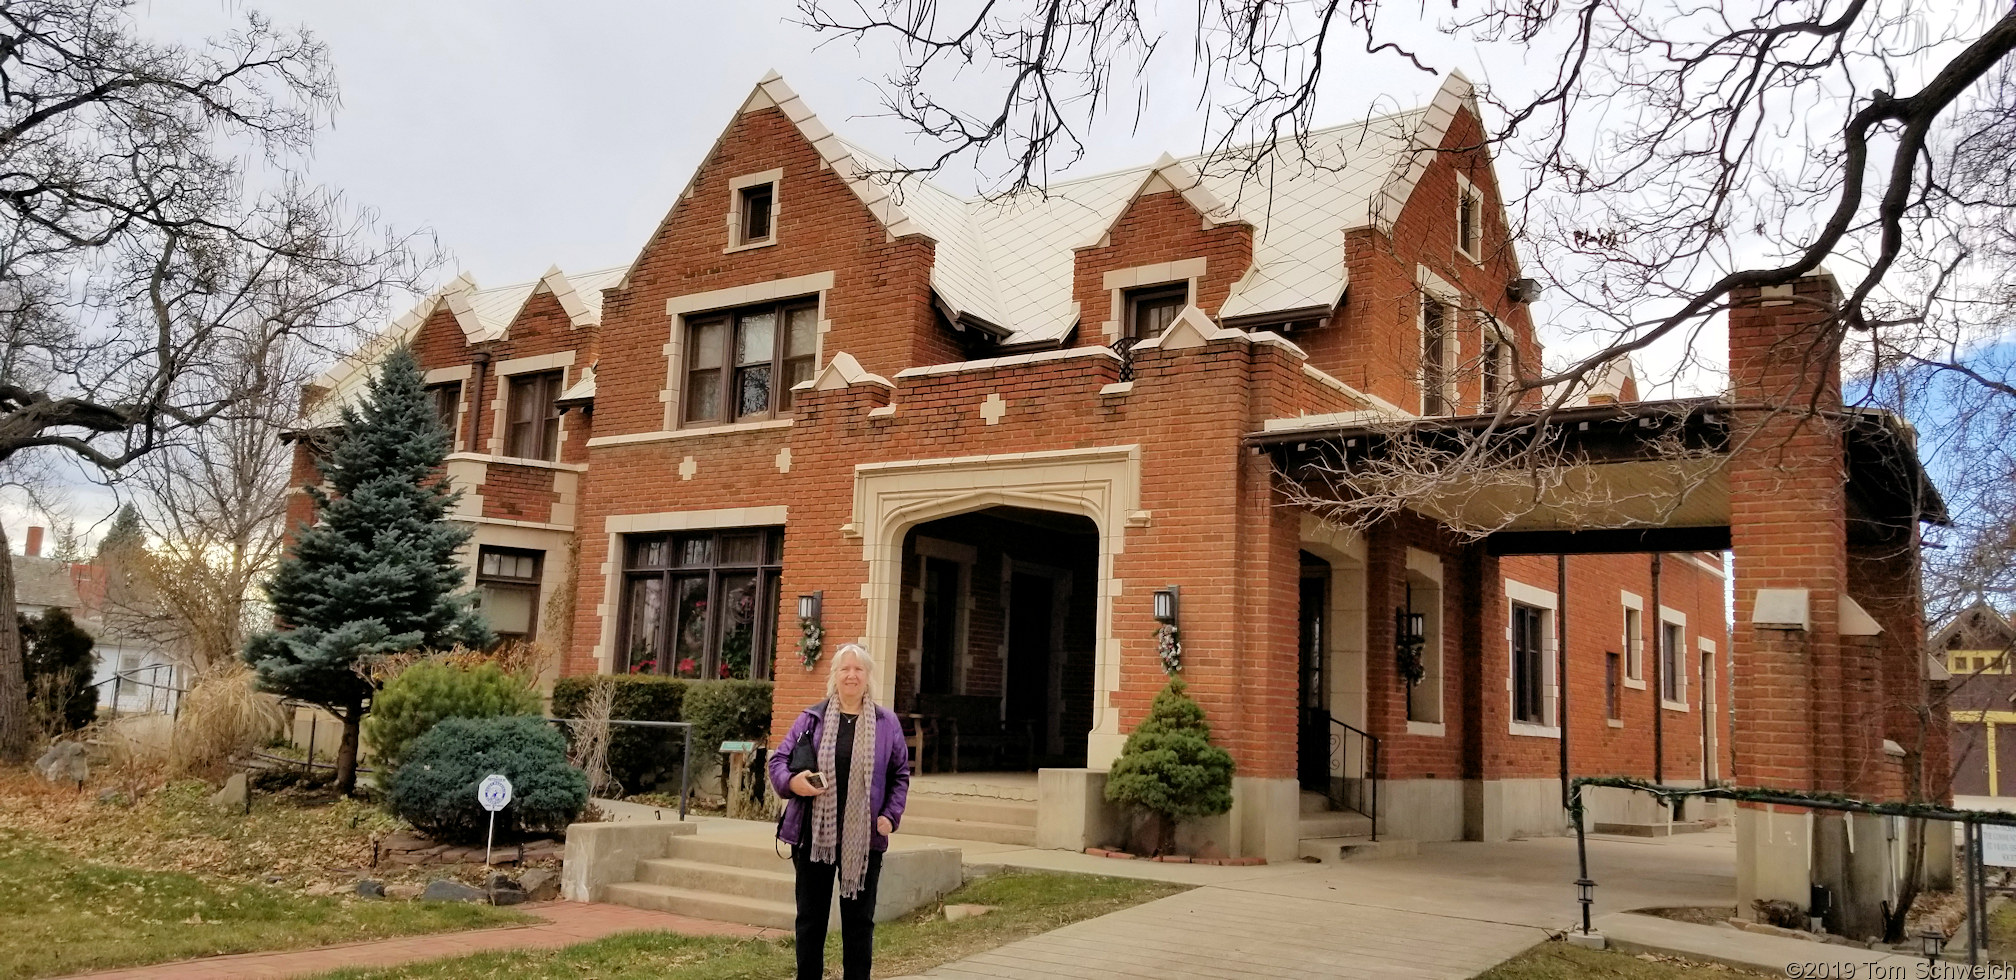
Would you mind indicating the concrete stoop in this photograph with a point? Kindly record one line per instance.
(995, 819)
(1656, 829)
(748, 882)
(1356, 848)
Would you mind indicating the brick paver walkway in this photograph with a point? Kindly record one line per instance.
(566, 923)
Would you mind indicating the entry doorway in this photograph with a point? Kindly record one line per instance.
(997, 666)
(1312, 640)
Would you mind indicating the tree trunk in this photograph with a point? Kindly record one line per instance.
(1165, 835)
(13, 679)
(346, 753)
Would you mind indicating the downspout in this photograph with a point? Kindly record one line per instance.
(481, 361)
(1561, 666)
(1658, 682)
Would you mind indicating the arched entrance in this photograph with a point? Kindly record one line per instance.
(996, 638)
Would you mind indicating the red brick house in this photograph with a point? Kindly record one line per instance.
(986, 434)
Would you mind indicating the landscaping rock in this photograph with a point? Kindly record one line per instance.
(445, 890)
(540, 885)
(64, 762)
(402, 893)
(324, 889)
(370, 889)
(954, 913)
(235, 796)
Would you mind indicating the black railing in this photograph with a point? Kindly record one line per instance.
(1354, 770)
(122, 679)
(685, 752)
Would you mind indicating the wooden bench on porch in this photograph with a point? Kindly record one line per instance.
(973, 721)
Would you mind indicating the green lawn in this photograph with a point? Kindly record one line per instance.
(1028, 903)
(1561, 961)
(60, 915)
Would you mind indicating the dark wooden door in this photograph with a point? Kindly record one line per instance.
(1313, 699)
(1030, 635)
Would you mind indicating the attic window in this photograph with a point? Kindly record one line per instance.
(755, 209)
(1435, 316)
(1150, 311)
(1469, 220)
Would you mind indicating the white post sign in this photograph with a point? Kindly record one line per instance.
(494, 792)
(1998, 846)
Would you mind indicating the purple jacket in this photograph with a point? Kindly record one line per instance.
(888, 785)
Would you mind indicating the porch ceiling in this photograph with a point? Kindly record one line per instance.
(1639, 476)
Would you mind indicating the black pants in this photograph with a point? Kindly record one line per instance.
(815, 905)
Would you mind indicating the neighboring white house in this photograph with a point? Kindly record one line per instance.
(130, 668)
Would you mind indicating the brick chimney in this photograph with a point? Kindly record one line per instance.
(33, 548)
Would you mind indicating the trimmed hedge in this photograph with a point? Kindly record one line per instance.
(430, 691)
(640, 759)
(436, 789)
(728, 710)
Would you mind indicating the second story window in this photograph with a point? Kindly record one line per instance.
(1151, 310)
(448, 408)
(1469, 220)
(741, 364)
(533, 430)
(1435, 317)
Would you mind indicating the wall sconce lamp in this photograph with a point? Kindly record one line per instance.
(1410, 635)
(1165, 604)
(808, 605)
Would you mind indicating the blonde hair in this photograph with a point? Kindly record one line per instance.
(858, 652)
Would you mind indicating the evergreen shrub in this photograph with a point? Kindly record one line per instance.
(724, 711)
(57, 663)
(435, 787)
(1169, 766)
(640, 758)
(431, 691)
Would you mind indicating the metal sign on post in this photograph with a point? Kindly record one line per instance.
(494, 792)
(1998, 846)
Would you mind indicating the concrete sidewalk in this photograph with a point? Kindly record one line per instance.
(565, 924)
(1731, 946)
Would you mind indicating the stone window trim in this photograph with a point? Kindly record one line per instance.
(1674, 617)
(1633, 647)
(1432, 287)
(500, 401)
(679, 308)
(736, 187)
(615, 526)
(965, 556)
(1119, 282)
(1549, 605)
(1470, 206)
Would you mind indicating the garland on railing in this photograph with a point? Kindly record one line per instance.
(811, 639)
(1169, 644)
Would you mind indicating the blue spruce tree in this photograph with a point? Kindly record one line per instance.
(377, 573)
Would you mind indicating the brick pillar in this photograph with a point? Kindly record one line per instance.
(1803, 701)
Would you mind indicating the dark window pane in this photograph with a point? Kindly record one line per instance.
(644, 623)
(741, 549)
(756, 212)
(649, 552)
(774, 551)
(448, 406)
(696, 549)
(535, 420)
(689, 625)
(753, 391)
(761, 665)
(738, 626)
(1151, 311)
(1434, 375)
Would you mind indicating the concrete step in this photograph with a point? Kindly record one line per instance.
(1336, 823)
(720, 879)
(978, 830)
(1356, 848)
(1659, 829)
(706, 905)
(980, 808)
(733, 854)
(1313, 802)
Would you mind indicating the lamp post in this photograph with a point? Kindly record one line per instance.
(1931, 942)
(1585, 893)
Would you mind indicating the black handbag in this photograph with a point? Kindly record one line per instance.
(804, 755)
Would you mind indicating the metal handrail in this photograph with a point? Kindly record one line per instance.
(685, 754)
(120, 678)
(1368, 770)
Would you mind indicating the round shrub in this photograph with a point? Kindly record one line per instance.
(727, 710)
(435, 787)
(431, 691)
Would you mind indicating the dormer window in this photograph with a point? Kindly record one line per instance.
(1150, 310)
(1469, 220)
(752, 210)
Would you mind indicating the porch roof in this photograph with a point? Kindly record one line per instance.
(1624, 477)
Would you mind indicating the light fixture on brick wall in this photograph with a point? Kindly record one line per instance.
(1165, 605)
(808, 606)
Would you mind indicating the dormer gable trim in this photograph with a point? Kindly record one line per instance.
(1456, 94)
(1170, 174)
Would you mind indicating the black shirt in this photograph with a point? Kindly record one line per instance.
(843, 764)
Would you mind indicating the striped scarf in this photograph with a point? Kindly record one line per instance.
(829, 829)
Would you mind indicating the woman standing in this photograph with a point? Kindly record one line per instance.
(841, 810)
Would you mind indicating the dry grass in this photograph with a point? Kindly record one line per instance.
(590, 736)
(223, 715)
